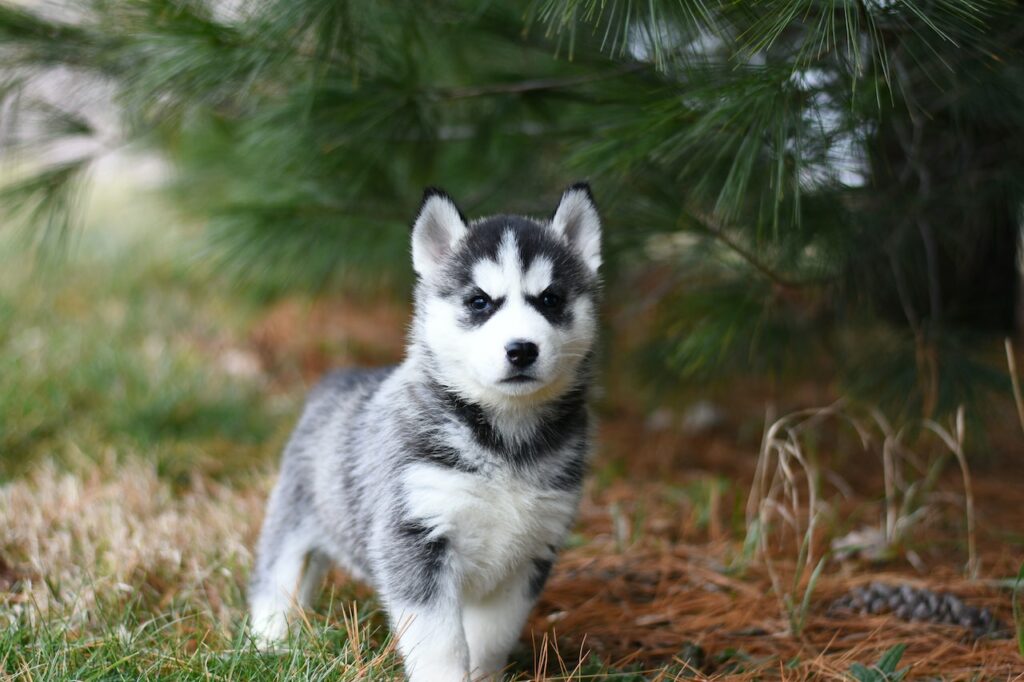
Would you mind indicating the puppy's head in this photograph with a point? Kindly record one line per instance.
(506, 305)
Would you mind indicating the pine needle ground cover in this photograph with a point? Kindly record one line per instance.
(143, 406)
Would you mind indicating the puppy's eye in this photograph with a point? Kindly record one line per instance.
(479, 303)
(550, 299)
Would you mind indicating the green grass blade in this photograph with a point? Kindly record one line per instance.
(805, 605)
(889, 660)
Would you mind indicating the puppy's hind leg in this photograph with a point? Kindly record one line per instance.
(285, 542)
(317, 566)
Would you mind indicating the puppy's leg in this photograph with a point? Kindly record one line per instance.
(417, 582)
(285, 541)
(317, 566)
(431, 641)
(493, 623)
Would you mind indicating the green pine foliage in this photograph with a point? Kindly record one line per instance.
(828, 180)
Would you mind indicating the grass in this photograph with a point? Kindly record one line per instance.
(883, 671)
(787, 497)
(141, 415)
(112, 351)
(128, 649)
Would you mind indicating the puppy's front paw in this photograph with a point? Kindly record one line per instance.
(268, 627)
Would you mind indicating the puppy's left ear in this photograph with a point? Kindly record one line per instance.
(577, 222)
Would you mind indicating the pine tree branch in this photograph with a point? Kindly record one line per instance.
(912, 142)
(714, 228)
(536, 84)
(902, 290)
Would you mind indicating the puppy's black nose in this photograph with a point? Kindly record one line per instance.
(522, 353)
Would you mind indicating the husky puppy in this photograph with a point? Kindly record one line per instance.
(449, 482)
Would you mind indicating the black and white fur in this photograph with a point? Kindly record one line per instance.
(450, 481)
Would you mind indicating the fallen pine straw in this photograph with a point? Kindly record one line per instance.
(644, 605)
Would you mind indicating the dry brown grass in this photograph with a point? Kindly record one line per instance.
(74, 541)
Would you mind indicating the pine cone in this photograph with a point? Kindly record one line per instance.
(919, 604)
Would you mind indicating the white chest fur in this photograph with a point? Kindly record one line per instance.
(493, 525)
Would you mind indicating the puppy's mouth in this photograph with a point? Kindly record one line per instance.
(519, 379)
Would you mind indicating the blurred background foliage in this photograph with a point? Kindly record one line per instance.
(792, 188)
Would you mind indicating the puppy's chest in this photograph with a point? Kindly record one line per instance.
(494, 525)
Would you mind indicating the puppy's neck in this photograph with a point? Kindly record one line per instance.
(509, 423)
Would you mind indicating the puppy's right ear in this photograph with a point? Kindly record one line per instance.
(439, 225)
